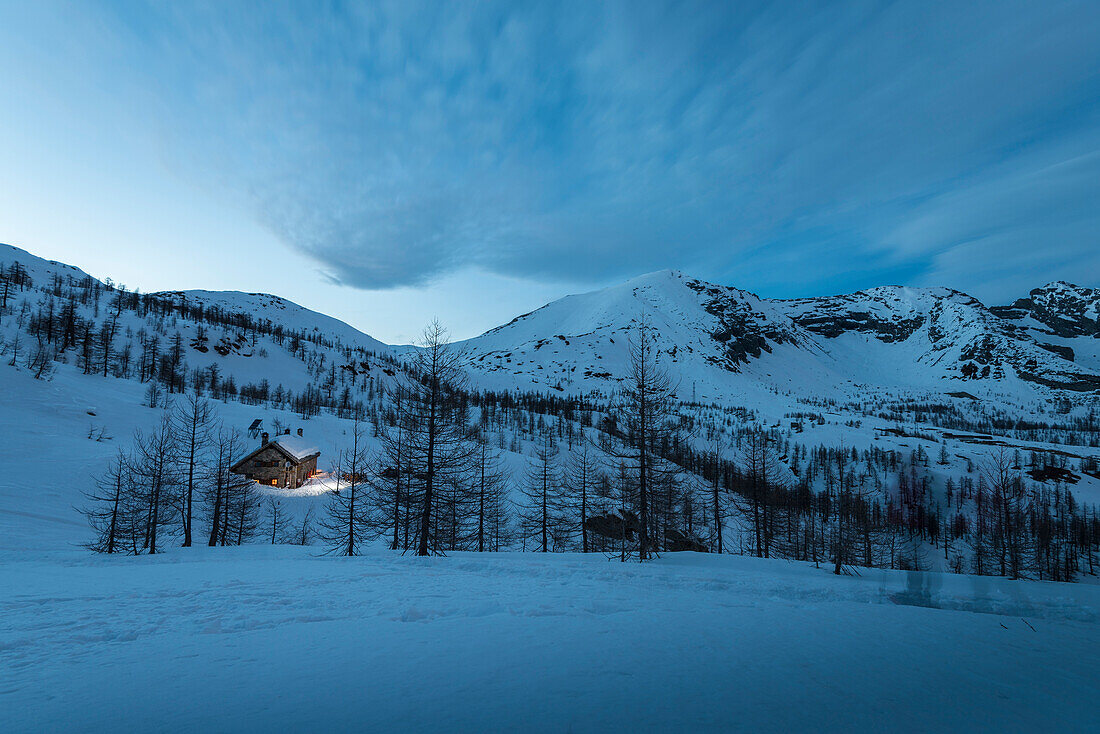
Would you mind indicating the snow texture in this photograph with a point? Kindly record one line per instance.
(277, 639)
(263, 638)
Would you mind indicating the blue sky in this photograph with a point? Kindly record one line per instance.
(389, 162)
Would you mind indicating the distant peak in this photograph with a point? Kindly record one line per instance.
(666, 274)
(1061, 285)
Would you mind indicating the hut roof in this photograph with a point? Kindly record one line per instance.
(295, 448)
(299, 448)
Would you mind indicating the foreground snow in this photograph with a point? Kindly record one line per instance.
(276, 638)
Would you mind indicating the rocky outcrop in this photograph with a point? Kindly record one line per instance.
(744, 333)
(871, 336)
(1064, 309)
(833, 325)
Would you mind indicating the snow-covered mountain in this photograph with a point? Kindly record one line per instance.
(947, 334)
(711, 338)
(278, 311)
(253, 338)
(721, 343)
(1062, 318)
(85, 365)
(262, 308)
(724, 342)
(1063, 310)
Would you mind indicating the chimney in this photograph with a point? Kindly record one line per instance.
(263, 438)
(299, 431)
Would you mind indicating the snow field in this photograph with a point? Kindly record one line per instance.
(278, 639)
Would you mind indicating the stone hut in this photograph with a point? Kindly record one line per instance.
(284, 461)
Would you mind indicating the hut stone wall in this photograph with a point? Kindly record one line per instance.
(269, 466)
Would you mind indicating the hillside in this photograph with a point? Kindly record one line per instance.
(276, 310)
(728, 344)
(724, 344)
(846, 432)
(250, 342)
(901, 394)
(1062, 318)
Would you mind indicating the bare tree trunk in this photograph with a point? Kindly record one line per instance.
(192, 422)
(717, 508)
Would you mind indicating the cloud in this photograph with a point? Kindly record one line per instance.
(804, 146)
(1031, 221)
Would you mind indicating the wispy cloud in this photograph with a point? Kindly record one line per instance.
(799, 146)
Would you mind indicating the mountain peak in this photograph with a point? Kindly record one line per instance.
(655, 277)
(1062, 286)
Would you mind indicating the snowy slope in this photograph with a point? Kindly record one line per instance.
(277, 310)
(40, 269)
(279, 638)
(723, 344)
(728, 344)
(581, 342)
(263, 307)
(268, 638)
(944, 333)
(221, 347)
(58, 436)
(1061, 317)
(859, 361)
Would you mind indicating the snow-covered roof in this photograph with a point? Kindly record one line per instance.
(296, 446)
(293, 447)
